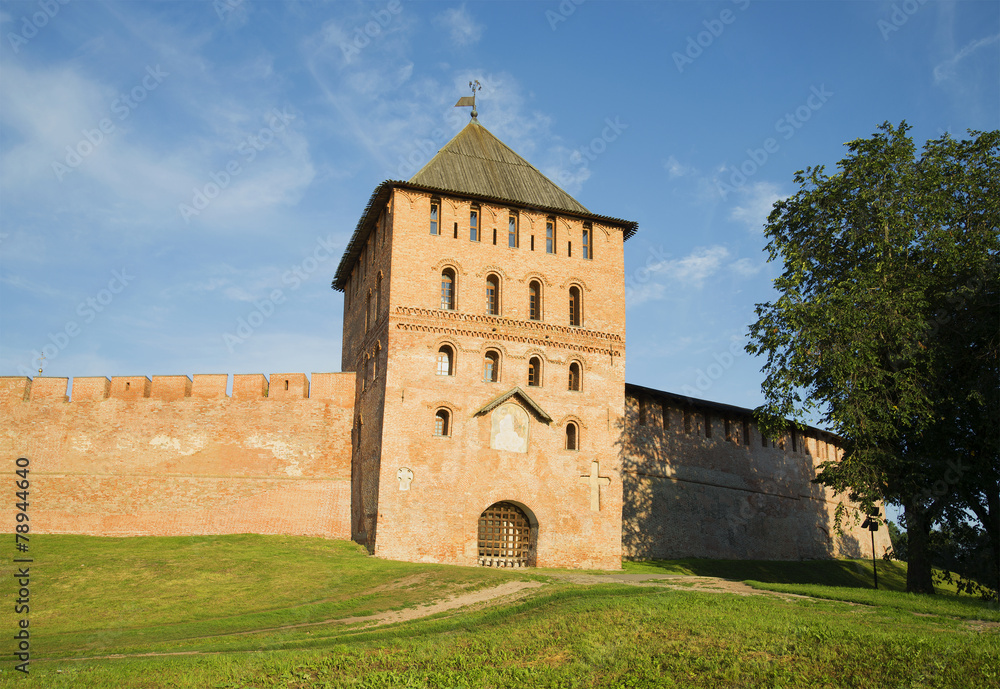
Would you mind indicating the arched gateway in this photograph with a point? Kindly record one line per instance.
(506, 537)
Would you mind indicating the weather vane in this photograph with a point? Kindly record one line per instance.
(41, 363)
(466, 101)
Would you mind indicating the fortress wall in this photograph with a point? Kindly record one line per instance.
(174, 455)
(702, 482)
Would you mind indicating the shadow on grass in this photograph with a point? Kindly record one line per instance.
(848, 573)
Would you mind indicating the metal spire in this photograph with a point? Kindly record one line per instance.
(466, 101)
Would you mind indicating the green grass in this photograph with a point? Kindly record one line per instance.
(227, 600)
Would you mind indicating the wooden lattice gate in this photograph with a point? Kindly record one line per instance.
(504, 536)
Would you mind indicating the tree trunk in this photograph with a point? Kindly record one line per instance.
(918, 561)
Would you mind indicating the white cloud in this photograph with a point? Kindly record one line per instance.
(744, 267)
(676, 169)
(460, 25)
(695, 268)
(756, 201)
(946, 69)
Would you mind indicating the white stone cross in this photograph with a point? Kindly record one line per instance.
(405, 476)
(595, 482)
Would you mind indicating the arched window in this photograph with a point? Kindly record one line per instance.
(575, 306)
(492, 295)
(448, 289)
(445, 361)
(512, 238)
(574, 377)
(550, 235)
(491, 367)
(535, 300)
(572, 436)
(474, 223)
(435, 216)
(442, 422)
(535, 372)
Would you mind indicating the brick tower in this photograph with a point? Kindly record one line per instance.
(484, 318)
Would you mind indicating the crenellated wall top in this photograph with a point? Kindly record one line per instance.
(250, 386)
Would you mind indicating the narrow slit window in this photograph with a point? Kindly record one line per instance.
(435, 216)
(550, 235)
(512, 231)
(474, 223)
(587, 232)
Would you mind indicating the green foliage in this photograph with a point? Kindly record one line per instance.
(887, 325)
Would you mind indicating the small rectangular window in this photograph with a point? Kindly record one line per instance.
(532, 242)
(474, 225)
(512, 231)
(435, 210)
(586, 242)
(494, 236)
(550, 236)
(569, 249)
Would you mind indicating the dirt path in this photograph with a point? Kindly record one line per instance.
(681, 582)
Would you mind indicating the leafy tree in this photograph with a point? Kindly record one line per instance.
(887, 324)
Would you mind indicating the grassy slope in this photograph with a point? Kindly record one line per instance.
(95, 596)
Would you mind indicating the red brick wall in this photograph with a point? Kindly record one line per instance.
(175, 456)
(691, 494)
(458, 477)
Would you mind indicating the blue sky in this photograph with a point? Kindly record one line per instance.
(118, 121)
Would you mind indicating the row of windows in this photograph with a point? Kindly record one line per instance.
(491, 368)
(449, 297)
(442, 428)
(513, 231)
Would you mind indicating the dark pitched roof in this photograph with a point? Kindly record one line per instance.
(477, 163)
(515, 392)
